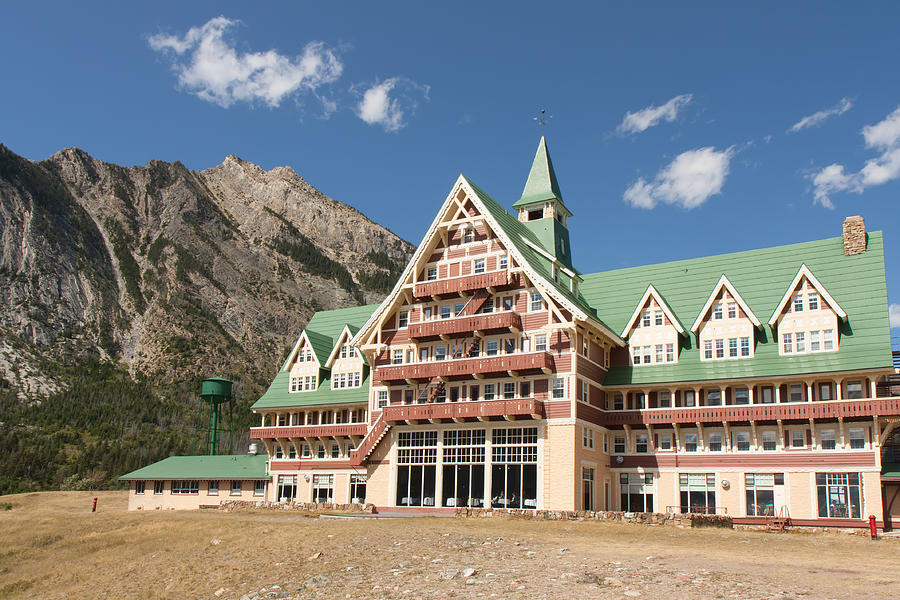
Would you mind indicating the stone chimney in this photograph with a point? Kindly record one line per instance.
(854, 230)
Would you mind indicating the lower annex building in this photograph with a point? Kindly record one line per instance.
(757, 384)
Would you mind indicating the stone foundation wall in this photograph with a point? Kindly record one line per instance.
(235, 505)
(674, 519)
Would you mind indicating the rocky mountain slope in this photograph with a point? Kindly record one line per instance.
(171, 272)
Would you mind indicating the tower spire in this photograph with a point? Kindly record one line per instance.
(541, 185)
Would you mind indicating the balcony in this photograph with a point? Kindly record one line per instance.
(466, 283)
(309, 431)
(482, 410)
(465, 367)
(757, 412)
(464, 326)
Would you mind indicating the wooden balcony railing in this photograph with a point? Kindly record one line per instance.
(756, 412)
(309, 431)
(466, 366)
(465, 283)
(464, 326)
(464, 410)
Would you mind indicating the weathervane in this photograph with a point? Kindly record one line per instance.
(543, 119)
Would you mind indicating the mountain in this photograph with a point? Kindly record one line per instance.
(157, 275)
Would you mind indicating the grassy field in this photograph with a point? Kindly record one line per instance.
(52, 546)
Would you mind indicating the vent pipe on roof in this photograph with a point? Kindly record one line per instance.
(854, 232)
(253, 450)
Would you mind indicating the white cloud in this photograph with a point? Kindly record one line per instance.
(210, 67)
(390, 102)
(820, 117)
(894, 313)
(688, 181)
(883, 136)
(636, 122)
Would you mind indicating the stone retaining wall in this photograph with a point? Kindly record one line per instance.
(234, 505)
(674, 519)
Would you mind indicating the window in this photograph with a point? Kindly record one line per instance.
(742, 396)
(670, 352)
(158, 487)
(665, 441)
(509, 346)
(584, 347)
(492, 348)
(720, 348)
(323, 488)
(798, 438)
(619, 444)
(468, 235)
(514, 471)
(645, 319)
(236, 487)
(296, 384)
(857, 438)
(769, 440)
(814, 344)
(787, 341)
(537, 302)
(186, 487)
(760, 490)
(212, 488)
(828, 340)
(306, 451)
(690, 442)
(282, 419)
(286, 489)
(665, 399)
(587, 438)
(587, 488)
(440, 352)
(446, 311)
(504, 262)
(717, 311)
(825, 392)
(489, 391)
(798, 303)
(335, 450)
(509, 390)
(398, 357)
(715, 442)
(524, 389)
(382, 398)
(813, 300)
(426, 313)
(839, 495)
(647, 355)
(640, 400)
(658, 317)
(636, 492)
(659, 353)
(799, 342)
(320, 451)
(697, 492)
(559, 388)
(714, 397)
(766, 395)
(708, 349)
(139, 487)
(585, 392)
(259, 488)
(854, 390)
(292, 451)
(795, 391)
(507, 303)
(641, 443)
(690, 398)
(279, 453)
(829, 440)
(618, 402)
(742, 440)
(732, 348)
(636, 355)
(358, 489)
(745, 346)
(732, 310)
(431, 274)
(403, 320)
(478, 266)
(540, 342)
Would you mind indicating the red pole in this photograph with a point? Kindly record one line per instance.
(94, 509)
(873, 531)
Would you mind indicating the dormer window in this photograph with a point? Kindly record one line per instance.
(798, 302)
(658, 317)
(717, 311)
(732, 310)
(812, 300)
(645, 319)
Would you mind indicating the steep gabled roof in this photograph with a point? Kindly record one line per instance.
(326, 326)
(724, 283)
(652, 293)
(823, 293)
(346, 334)
(762, 276)
(541, 184)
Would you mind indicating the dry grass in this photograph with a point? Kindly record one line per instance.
(52, 546)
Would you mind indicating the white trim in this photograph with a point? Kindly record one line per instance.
(537, 280)
(651, 292)
(293, 355)
(723, 282)
(804, 271)
(333, 356)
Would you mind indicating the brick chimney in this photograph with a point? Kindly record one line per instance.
(854, 231)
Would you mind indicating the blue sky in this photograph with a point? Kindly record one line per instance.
(677, 130)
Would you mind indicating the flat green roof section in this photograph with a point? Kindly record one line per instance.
(761, 277)
(231, 466)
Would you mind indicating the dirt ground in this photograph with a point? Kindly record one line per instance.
(52, 546)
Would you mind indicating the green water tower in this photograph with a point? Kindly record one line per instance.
(215, 418)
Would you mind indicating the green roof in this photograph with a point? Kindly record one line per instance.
(326, 326)
(890, 471)
(761, 277)
(232, 466)
(541, 184)
(279, 395)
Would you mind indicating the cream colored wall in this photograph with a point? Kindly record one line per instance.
(594, 459)
(654, 334)
(732, 498)
(561, 486)
(823, 318)
(872, 505)
(666, 491)
(725, 328)
(378, 486)
(801, 495)
(168, 501)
